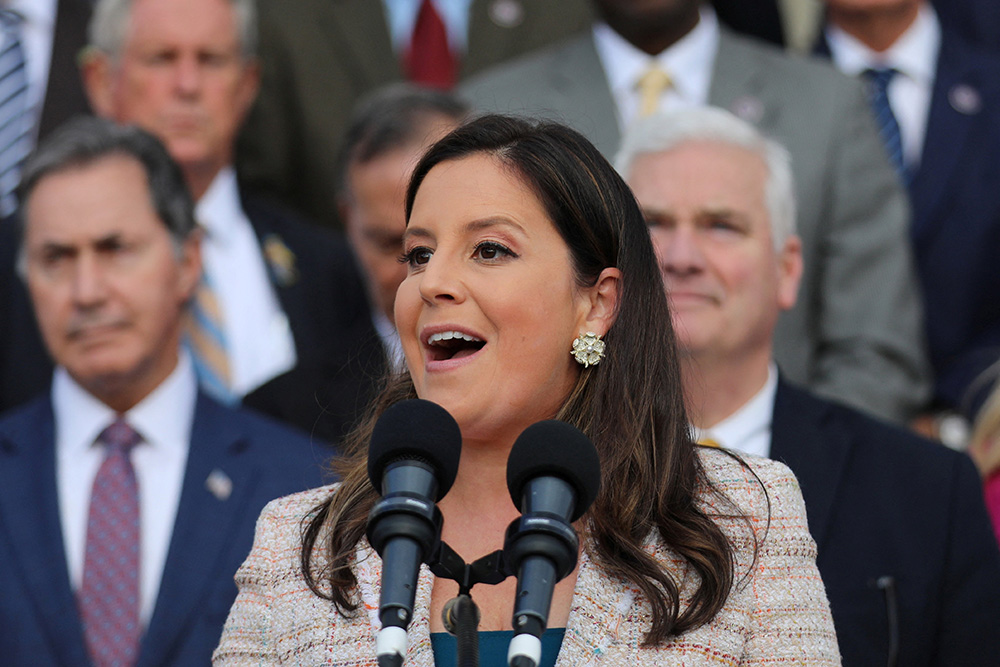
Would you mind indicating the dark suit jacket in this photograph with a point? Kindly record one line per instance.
(64, 94)
(855, 332)
(956, 221)
(319, 57)
(320, 290)
(955, 199)
(975, 20)
(883, 502)
(39, 621)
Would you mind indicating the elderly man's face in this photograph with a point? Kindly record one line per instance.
(108, 285)
(726, 283)
(182, 76)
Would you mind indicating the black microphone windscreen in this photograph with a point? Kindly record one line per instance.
(555, 448)
(416, 429)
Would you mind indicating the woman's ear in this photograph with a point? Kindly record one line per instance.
(602, 302)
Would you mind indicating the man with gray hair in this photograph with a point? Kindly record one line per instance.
(280, 314)
(906, 550)
(127, 496)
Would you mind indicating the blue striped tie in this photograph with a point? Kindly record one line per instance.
(207, 341)
(15, 122)
(888, 126)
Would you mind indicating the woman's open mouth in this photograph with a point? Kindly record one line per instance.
(447, 345)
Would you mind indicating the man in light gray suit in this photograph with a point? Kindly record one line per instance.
(855, 333)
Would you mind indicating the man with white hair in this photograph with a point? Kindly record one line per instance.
(281, 314)
(905, 549)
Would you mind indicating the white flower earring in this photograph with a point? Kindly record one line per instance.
(588, 349)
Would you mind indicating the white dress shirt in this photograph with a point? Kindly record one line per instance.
(37, 27)
(914, 55)
(401, 16)
(164, 420)
(747, 430)
(258, 335)
(688, 62)
(390, 339)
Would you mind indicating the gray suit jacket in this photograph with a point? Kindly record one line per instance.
(319, 57)
(855, 333)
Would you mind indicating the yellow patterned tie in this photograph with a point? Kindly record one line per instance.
(708, 442)
(206, 339)
(651, 86)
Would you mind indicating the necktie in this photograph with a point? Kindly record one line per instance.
(430, 61)
(885, 119)
(651, 85)
(15, 129)
(709, 442)
(109, 597)
(206, 340)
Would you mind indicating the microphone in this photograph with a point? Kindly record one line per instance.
(553, 475)
(412, 460)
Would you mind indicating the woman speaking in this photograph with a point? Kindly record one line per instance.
(520, 240)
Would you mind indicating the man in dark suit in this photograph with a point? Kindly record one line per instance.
(942, 109)
(905, 547)
(127, 496)
(320, 58)
(856, 333)
(292, 312)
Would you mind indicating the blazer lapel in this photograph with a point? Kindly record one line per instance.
(816, 454)
(956, 107)
(359, 31)
(30, 523)
(578, 78)
(738, 83)
(64, 96)
(213, 500)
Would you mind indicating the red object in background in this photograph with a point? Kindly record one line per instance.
(430, 61)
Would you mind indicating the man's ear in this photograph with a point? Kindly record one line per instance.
(602, 302)
(789, 272)
(96, 69)
(190, 265)
(249, 87)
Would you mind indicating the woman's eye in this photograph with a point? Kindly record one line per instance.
(416, 256)
(490, 250)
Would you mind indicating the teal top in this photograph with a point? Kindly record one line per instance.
(493, 648)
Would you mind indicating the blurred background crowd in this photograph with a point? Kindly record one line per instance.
(295, 124)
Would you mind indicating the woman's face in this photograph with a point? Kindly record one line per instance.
(489, 309)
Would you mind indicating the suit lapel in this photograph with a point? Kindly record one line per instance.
(30, 522)
(64, 96)
(203, 530)
(956, 107)
(816, 453)
(358, 30)
(578, 78)
(739, 84)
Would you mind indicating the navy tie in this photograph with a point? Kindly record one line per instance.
(888, 126)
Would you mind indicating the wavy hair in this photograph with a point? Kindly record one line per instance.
(631, 405)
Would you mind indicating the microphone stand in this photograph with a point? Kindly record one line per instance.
(461, 615)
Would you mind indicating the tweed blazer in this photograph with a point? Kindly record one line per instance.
(776, 612)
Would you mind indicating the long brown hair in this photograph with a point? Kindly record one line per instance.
(631, 405)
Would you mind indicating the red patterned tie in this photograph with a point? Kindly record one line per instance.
(430, 61)
(109, 597)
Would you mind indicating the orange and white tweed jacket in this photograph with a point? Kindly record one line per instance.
(776, 614)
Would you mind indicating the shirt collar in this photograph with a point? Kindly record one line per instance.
(914, 54)
(164, 418)
(689, 61)
(218, 211)
(752, 418)
(41, 13)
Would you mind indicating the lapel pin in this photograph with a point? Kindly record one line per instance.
(749, 109)
(281, 260)
(507, 13)
(965, 99)
(219, 484)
